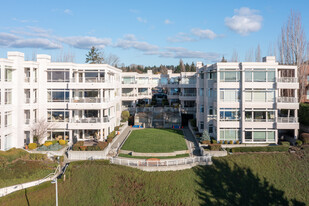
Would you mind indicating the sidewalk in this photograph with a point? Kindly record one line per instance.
(117, 143)
(191, 142)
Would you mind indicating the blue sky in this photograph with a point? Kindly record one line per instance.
(145, 32)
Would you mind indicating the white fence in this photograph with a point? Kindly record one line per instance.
(7, 190)
(172, 162)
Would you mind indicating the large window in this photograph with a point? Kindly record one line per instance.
(58, 135)
(260, 95)
(8, 119)
(8, 73)
(55, 95)
(8, 96)
(128, 80)
(188, 80)
(260, 136)
(163, 80)
(229, 76)
(229, 134)
(260, 116)
(94, 76)
(229, 95)
(260, 75)
(58, 75)
(57, 115)
(229, 114)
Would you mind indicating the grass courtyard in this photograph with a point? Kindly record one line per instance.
(155, 141)
(240, 179)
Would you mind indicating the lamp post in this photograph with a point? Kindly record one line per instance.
(55, 182)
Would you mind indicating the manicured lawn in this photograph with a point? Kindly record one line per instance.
(136, 157)
(18, 166)
(242, 179)
(155, 141)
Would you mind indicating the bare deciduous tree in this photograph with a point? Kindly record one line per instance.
(249, 55)
(234, 57)
(112, 59)
(39, 129)
(258, 56)
(292, 49)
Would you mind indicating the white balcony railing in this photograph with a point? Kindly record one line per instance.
(27, 121)
(188, 94)
(27, 100)
(287, 119)
(87, 120)
(86, 100)
(128, 95)
(88, 80)
(287, 100)
(288, 79)
(144, 93)
(27, 79)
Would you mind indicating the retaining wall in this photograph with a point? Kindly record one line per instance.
(165, 154)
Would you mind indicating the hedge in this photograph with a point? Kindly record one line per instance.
(215, 147)
(305, 138)
(261, 149)
(285, 143)
(32, 146)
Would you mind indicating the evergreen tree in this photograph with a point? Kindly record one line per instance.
(94, 56)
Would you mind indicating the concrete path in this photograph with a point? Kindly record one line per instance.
(120, 139)
(191, 142)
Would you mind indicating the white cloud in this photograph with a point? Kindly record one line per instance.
(6, 39)
(204, 34)
(130, 41)
(32, 31)
(68, 11)
(167, 21)
(244, 21)
(140, 19)
(24, 20)
(85, 42)
(35, 43)
(181, 37)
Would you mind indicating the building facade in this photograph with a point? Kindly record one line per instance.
(253, 102)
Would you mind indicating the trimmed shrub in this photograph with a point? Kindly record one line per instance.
(261, 149)
(237, 142)
(93, 148)
(206, 142)
(299, 142)
(54, 141)
(225, 142)
(102, 145)
(46, 144)
(284, 143)
(37, 156)
(77, 145)
(62, 142)
(116, 128)
(304, 137)
(221, 141)
(112, 135)
(304, 114)
(231, 142)
(214, 141)
(32, 146)
(83, 148)
(125, 115)
(215, 147)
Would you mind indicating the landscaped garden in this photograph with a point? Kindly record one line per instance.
(239, 179)
(155, 141)
(18, 166)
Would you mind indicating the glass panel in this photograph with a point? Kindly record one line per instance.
(259, 96)
(248, 96)
(271, 76)
(230, 77)
(248, 135)
(230, 134)
(248, 76)
(259, 76)
(259, 135)
(271, 135)
(248, 116)
(271, 96)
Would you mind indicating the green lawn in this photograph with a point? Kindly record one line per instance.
(242, 179)
(155, 141)
(171, 157)
(18, 166)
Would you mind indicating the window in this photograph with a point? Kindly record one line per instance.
(229, 114)
(202, 108)
(260, 116)
(8, 74)
(57, 95)
(55, 115)
(163, 80)
(202, 75)
(8, 96)
(202, 125)
(229, 95)
(229, 134)
(201, 92)
(128, 80)
(210, 129)
(210, 111)
(260, 75)
(8, 119)
(260, 95)
(58, 75)
(229, 76)
(258, 135)
(58, 135)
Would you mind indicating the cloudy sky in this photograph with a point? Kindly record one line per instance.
(151, 32)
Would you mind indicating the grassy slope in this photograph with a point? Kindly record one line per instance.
(155, 140)
(233, 180)
(18, 166)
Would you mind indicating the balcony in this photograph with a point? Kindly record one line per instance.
(288, 79)
(27, 121)
(90, 120)
(287, 100)
(129, 82)
(128, 95)
(88, 80)
(27, 79)
(287, 120)
(87, 100)
(27, 100)
(188, 94)
(144, 93)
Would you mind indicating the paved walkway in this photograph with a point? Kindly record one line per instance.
(191, 142)
(120, 139)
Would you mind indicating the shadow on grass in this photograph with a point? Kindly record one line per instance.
(221, 184)
(27, 197)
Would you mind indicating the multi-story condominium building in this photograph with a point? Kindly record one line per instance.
(78, 101)
(253, 102)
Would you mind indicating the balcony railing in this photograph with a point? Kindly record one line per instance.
(87, 100)
(287, 119)
(287, 100)
(129, 82)
(27, 121)
(188, 94)
(288, 79)
(87, 120)
(27, 100)
(88, 80)
(144, 93)
(260, 120)
(128, 94)
(27, 79)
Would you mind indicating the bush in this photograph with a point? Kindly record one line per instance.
(112, 135)
(93, 148)
(215, 147)
(237, 142)
(83, 148)
(231, 142)
(261, 149)
(304, 114)
(221, 142)
(304, 137)
(46, 144)
(214, 141)
(284, 143)
(62, 142)
(125, 115)
(299, 142)
(37, 156)
(32, 146)
(225, 142)
(102, 145)
(77, 145)
(205, 142)
(116, 128)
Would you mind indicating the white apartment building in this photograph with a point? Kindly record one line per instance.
(79, 101)
(253, 102)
